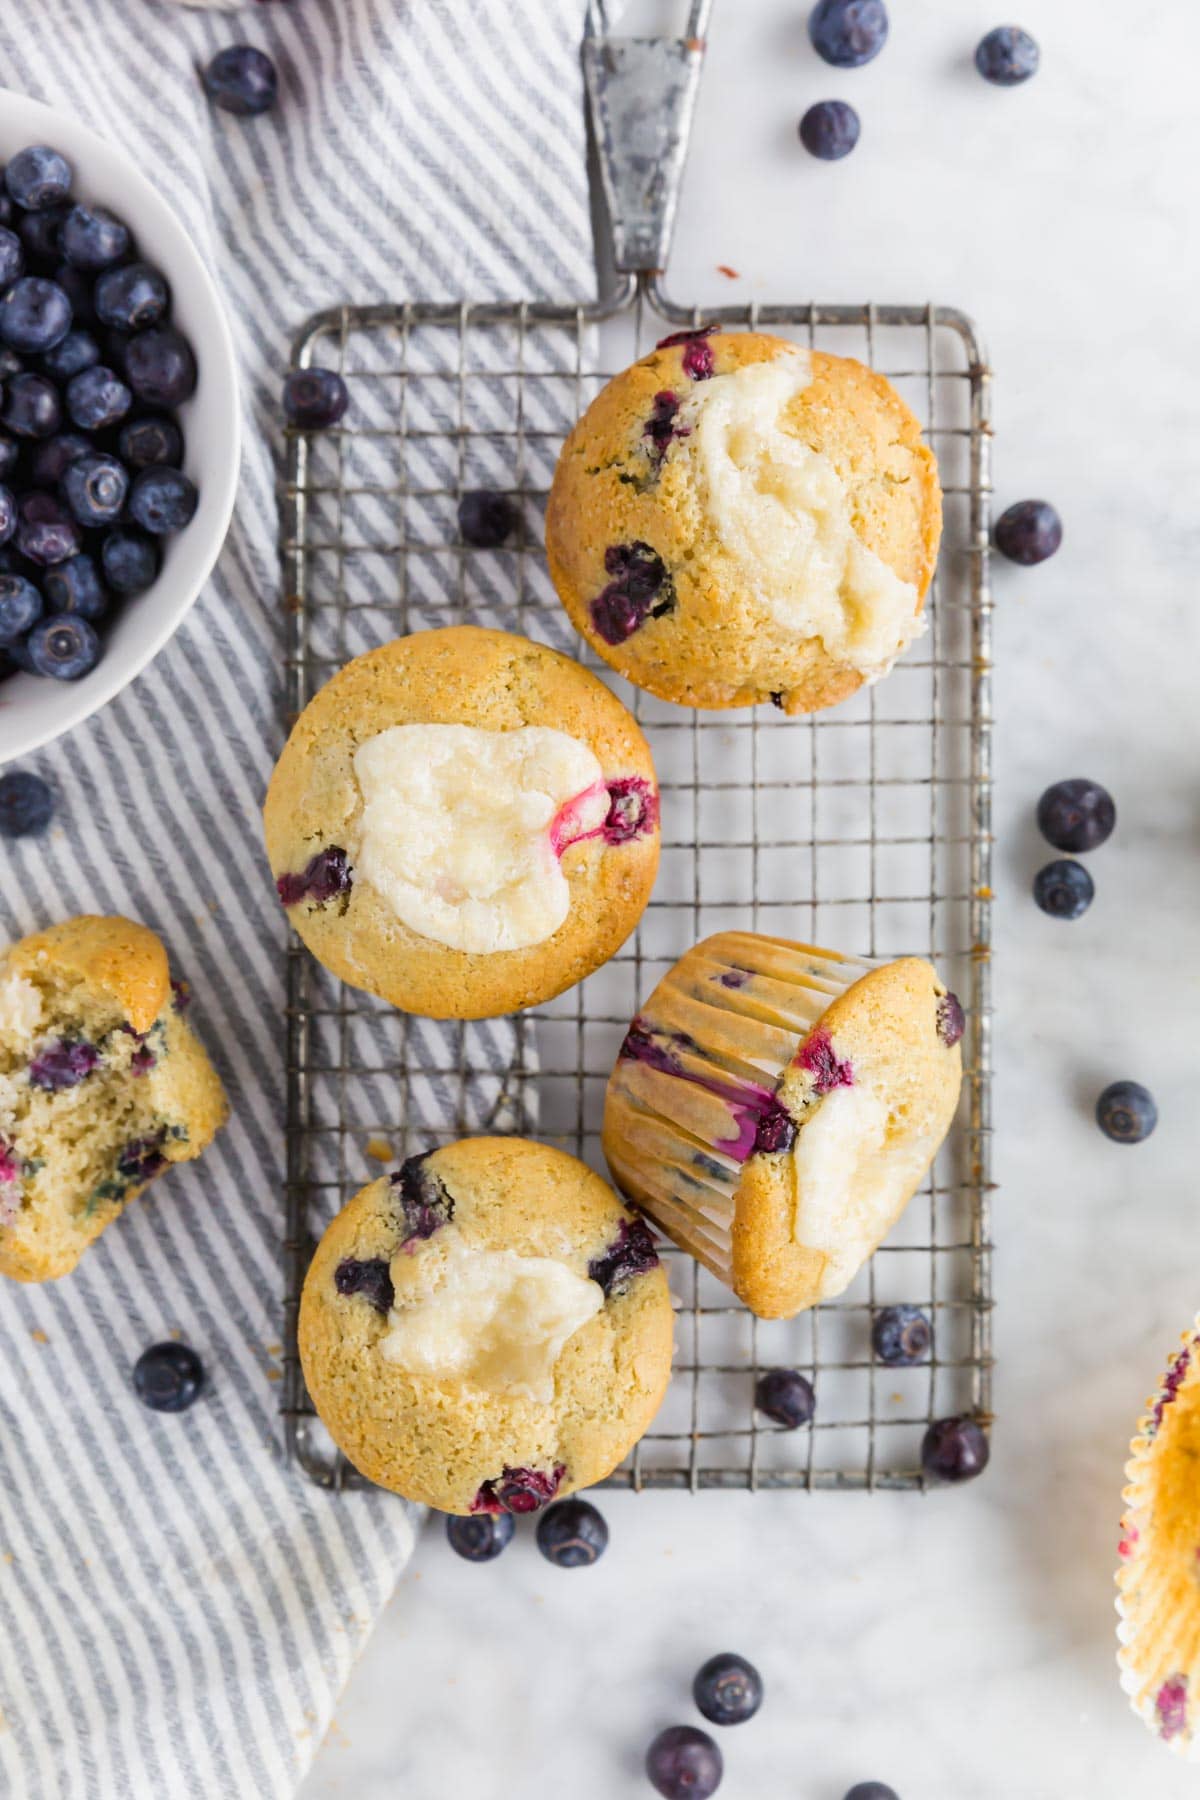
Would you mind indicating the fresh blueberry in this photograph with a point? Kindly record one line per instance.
(26, 804)
(46, 532)
(129, 561)
(902, 1337)
(168, 1377)
(20, 607)
(94, 487)
(162, 500)
(53, 456)
(829, 130)
(92, 239)
(572, 1534)
(486, 519)
(872, 1790)
(77, 352)
(785, 1396)
(38, 231)
(242, 80)
(1076, 815)
(1064, 889)
(848, 33)
(63, 646)
(132, 298)
(38, 177)
(683, 1763)
(78, 288)
(97, 399)
(954, 1449)
(146, 442)
(160, 367)
(35, 314)
(8, 515)
(728, 1690)
(10, 363)
(1126, 1113)
(1007, 56)
(31, 407)
(315, 399)
(1028, 532)
(12, 257)
(480, 1537)
(10, 454)
(75, 587)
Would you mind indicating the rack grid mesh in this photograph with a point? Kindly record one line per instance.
(866, 828)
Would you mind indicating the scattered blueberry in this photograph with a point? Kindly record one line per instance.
(872, 1790)
(162, 500)
(75, 586)
(829, 130)
(902, 1337)
(1028, 532)
(129, 561)
(1126, 1113)
(315, 399)
(480, 1537)
(1007, 56)
(683, 1763)
(92, 239)
(160, 367)
(38, 177)
(94, 487)
(132, 298)
(572, 1534)
(26, 804)
(46, 532)
(12, 257)
(954, 1449)
(63, 647)
(52, 457)
(785, 1396)
(1076, 815)
(728, 1690)
(35, 314)
(848, 33)
(150, 440)
(31, 407)
(242, 80)
(97, 399)
(20, 607)
(486, 519)
(168, 1377)
(1064, 889)
(77, 351)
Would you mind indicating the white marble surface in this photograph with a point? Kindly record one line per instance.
(960, 1645)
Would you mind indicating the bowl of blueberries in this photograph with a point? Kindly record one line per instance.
(119, 423)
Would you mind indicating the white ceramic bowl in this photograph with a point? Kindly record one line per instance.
(33, 711)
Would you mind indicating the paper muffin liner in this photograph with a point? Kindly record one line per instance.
(1158, 1580)
(693, 1093)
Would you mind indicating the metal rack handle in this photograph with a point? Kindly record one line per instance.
(642, 97)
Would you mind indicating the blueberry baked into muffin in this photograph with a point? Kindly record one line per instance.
(486, 1329)
(736, 519)
(103, 1085)
(774, 1108)
(463, 822)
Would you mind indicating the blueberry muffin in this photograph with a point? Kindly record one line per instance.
(487, 1328)
(736, 519)
(1158, 1596)
(774, 1108)
(103, 1085)
(464, 823)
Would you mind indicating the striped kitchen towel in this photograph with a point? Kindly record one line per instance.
(177, 1609)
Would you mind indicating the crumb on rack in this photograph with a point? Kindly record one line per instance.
(379, 1150)
(731, 274)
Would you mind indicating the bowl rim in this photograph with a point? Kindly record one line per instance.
(153, 213)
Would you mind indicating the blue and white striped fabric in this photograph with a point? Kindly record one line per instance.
(177, 1610)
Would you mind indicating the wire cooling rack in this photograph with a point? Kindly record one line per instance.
(866, 829)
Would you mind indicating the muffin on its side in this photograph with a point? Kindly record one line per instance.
(774, 1108)
(1158, 1595)
(464, 823)
(487, 1329)
(103, 1085)
(737, 519)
